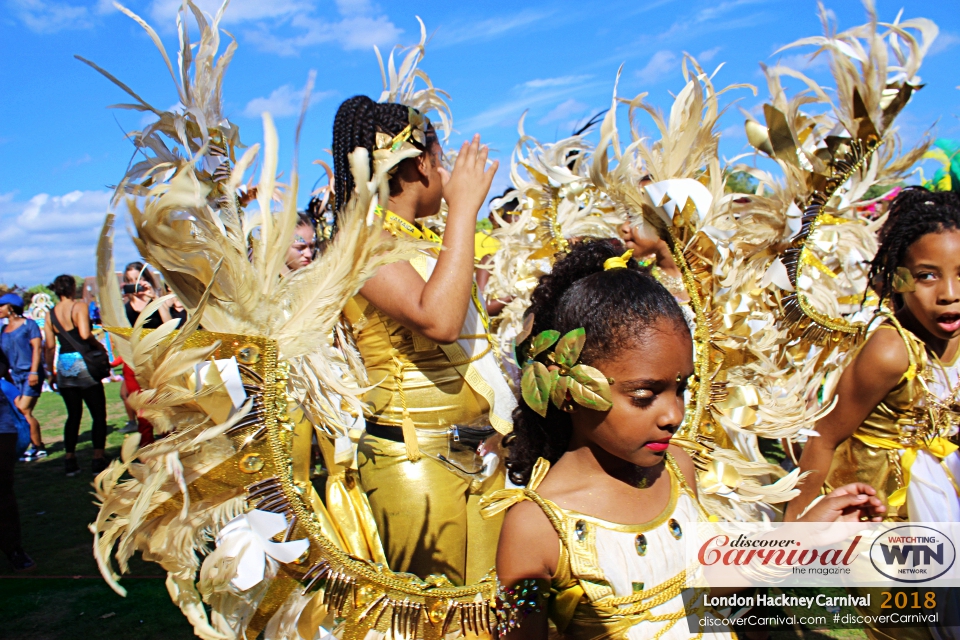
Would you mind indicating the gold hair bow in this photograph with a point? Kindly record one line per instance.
(618, 262)
(416, 129)
(586, 385)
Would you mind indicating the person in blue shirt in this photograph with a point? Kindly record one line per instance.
(21, 342)
(10, 542)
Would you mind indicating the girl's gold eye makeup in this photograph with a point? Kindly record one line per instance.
(642, 397)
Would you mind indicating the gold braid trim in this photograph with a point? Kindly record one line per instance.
(812, 325)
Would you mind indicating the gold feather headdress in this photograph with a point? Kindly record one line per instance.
(239, 473)
(674, 185)
(829, 162)
(557, 203)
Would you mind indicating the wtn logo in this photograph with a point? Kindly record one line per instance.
(922, 553)
(912, 553)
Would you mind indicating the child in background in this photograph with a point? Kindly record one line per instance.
(606, 492)
(897, 401)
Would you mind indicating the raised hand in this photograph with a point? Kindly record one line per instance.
(469, 182)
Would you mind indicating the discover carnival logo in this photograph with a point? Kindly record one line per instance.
(912, 553)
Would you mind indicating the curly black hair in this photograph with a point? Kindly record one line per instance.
(914, 212)
(356, 124)
(64, 287)
(614, 307)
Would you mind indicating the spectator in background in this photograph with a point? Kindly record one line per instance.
(131, 274)
(141, 292)
(10, 542)
(300, 253)
(69, 322)
(175, 308)
(20, 342)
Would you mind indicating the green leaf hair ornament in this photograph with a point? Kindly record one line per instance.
(584, 384)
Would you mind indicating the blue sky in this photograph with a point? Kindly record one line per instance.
(60, 147)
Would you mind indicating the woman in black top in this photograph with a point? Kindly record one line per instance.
(144, 294)
(74, 382)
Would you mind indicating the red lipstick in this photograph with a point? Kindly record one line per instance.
(658, 446)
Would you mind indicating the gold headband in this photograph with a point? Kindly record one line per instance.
(618, 262)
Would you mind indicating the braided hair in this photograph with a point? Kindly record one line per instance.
(614, 307)
(913, 213)
(356, 124)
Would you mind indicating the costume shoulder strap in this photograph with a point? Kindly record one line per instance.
(916, 350)
(500, 501)
(685, 486)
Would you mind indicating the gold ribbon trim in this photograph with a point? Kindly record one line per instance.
(939, 448)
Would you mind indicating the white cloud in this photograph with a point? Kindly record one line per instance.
(714, 12)
(351, 33)
(561, 81)
(661, 64)
(564, 111)
(734, 131)
(41, 16)
(282, 102)
(48, 235)
(944, 42)
(360, 24)
(163, 12)
(530, 94)
(354, 7)
(803, 61)
(708, 55)
(489, 29)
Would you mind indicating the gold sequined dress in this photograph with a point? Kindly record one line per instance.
(620, 581)
(903, 448)
(425, 505)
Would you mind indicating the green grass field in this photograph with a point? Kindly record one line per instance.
(64, 597)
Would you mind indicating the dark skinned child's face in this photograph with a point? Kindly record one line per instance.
(934, 262)
(650, 378)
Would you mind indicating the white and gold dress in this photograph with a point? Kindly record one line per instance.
(624, 581)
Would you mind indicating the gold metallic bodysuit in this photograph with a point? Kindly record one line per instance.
(909, 419)
(881, 452)
(426, 510)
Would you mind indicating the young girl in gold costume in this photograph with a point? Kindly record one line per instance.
(598, 526)
(421, 330)
(897, 403)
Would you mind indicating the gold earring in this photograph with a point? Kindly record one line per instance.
(679, 378)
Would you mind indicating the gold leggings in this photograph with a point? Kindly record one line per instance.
(427, 514)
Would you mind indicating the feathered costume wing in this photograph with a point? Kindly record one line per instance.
(806, 236)
(757, 312)
(224, 501)
(557, 202)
